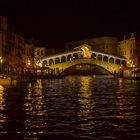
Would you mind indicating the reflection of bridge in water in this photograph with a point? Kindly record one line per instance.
(59, 63)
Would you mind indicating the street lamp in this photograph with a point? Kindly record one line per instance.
(1, 60)
(29, 62)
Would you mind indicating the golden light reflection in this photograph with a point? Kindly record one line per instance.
(34, 109)
(35, 96)
(70, 80)
(2, 105)
(86, 104)
(122, 104)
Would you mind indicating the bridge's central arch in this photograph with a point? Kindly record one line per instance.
(85, 69)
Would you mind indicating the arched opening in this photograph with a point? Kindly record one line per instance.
(57, 60)
(99, 57)
(86, 69)
(105, 59)
(75, 56)
(93, 56)
(51, 62)
(69, 57)
(123, 62)
(44, 64)
(117, 62)
(111, 60)
(63, 59)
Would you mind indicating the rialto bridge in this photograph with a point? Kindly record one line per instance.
(60, 62)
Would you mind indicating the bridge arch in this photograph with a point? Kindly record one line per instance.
(51, 62)
(75, 56)
(86, 68)
(123, 62)
(105, 59)
(99, 57)
(63, 59)
(45, 63)
(111, 60)
(93, 56)
(69, 57)
(57, 60)
(118, 62)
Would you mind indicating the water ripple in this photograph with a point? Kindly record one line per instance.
(77, 107)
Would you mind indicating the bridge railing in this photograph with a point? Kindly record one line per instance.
(71, 56)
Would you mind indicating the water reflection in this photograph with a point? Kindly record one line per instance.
(76, 106)
(125, 103)
(85, 97)
(34, 124)
(120, 103)
(86, 107)
(2, 106)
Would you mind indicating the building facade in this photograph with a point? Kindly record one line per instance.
(28, 54)
(39, 52)
(100, 44)
(15, 51)
(130, 49)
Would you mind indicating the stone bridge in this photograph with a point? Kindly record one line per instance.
(60, 62)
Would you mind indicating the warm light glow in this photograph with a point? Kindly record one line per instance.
(86, 105)
(1, 60)
(85, 51)
(2, 105)
(29, 62)
(128, 62)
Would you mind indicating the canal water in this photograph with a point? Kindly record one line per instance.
(74, 107)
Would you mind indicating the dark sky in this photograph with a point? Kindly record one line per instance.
(54, 22)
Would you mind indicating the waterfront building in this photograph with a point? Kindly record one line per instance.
(28, 55)
(130, 49)
(15, 51)
(100, 44)
(39, 52)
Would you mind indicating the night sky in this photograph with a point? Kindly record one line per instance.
(53, 22)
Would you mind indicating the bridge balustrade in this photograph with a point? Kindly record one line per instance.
(111, 60)
(78, 55)
(105, 59)
(93, 56)
(69, 57)
(45, 64)
(63, 59)
(99, 57)
(75, 56)
(118, 62)
(51, 62)
(123, 62)
(57, 60)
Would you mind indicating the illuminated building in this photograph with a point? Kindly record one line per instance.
(100, 44)
(28, 55)
(39, 53)
(15, 51)
(130, 49)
